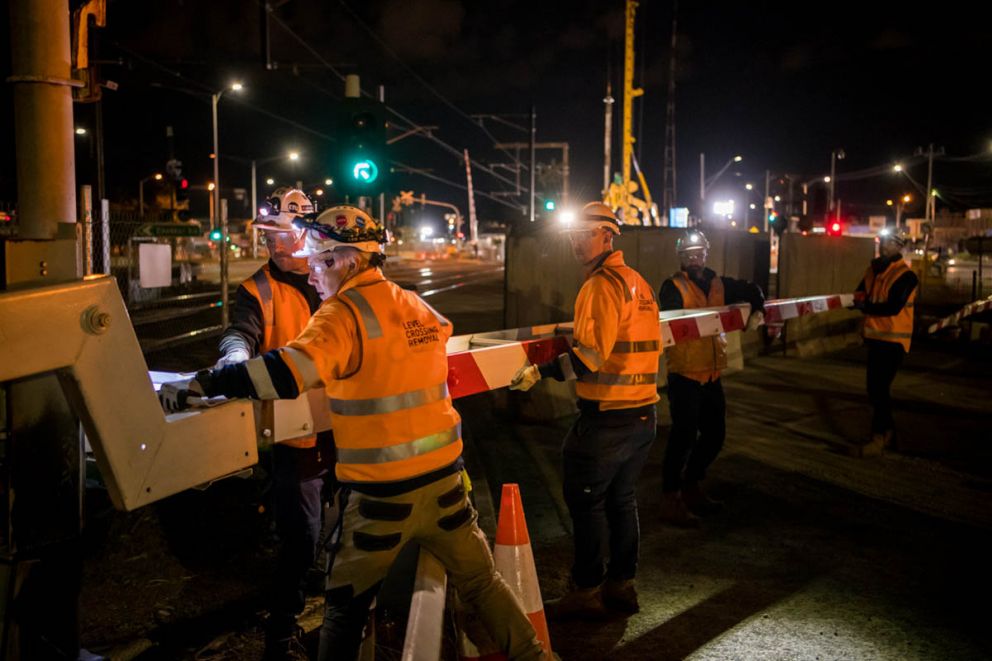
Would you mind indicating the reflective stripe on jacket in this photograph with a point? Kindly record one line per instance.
(285, 313)
(896, 328)
(703, 358)
(617, 336)
(379, 350)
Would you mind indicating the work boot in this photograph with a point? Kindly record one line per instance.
(873, 447)
(621, 596)
(674, 511)
(577, 604)
(698, 502)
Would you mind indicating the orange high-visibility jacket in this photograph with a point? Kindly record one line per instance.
(617, 336)
(285, 313)
(703, 358)
(379, 350)
(896, 328)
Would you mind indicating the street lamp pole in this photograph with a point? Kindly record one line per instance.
(835, 155)
(224, 312)
(702, 177)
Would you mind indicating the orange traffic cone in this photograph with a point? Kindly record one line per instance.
(515, 561)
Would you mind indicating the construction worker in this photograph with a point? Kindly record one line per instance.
(885, 295)
(614, 360)
(695, 393)
(271, 308)
(379, 353)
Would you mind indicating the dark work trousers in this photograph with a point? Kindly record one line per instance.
(698, 429)
(884, 359)
(603, 455)
(298, 484)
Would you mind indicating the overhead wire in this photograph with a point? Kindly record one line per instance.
(433, 90)
(410, 123)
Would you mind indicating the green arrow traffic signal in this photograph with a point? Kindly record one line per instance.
(365, 171)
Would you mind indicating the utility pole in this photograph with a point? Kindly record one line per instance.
(835, 155)
(533, 161)
(669, 188)
(768, 199)
(608, 102)
(382, 195)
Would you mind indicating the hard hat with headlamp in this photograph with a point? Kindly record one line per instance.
(592, 216)
(896, 235)
(276, 214)
(691, 240)
(342, 226)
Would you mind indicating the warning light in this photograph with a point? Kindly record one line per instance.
(834, 229)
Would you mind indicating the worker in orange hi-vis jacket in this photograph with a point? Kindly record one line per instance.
(886, 295)
(614, 362)
(379, 353)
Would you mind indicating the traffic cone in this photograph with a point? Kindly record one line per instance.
(515, 561)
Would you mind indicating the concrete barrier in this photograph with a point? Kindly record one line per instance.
(542, 278)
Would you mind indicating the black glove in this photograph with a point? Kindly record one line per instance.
(179, 395)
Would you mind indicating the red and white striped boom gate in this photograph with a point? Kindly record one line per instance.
(487, 361)
(982, 305)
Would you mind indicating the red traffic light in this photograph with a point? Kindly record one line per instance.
(834, 229)
(184, 183)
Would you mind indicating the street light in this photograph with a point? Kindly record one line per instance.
(270, 181)
(80, 130)
(141, 192)
(705, 183)
(214, 100)
(328, 182)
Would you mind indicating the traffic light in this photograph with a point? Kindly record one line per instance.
(215, 235)
(363, 164)
(182, 191)
(834, 228)
(549, 205)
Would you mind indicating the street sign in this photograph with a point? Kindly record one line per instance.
(978, 245)
(170, 229)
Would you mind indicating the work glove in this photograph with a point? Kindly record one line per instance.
(180, 395)
(525, 378)
(232, 357)
(756, 319)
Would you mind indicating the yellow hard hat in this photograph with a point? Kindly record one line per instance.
(343, 226)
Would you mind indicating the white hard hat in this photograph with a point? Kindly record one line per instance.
(691, 240)
(896, 235)
(342, 226)
(285, 204)
(593, 215)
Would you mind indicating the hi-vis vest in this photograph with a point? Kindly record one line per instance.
(703, 358)
(897, 328)
(628, 376)
(392, 418)
(285, 313)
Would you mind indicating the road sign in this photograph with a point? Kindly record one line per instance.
(978, 245)
(170, 229)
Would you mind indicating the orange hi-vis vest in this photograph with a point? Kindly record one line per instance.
(285, 313)
(392, 417)
(703, 358)
(617, 336)
(897, 328)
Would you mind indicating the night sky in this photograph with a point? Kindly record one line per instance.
(780, 83)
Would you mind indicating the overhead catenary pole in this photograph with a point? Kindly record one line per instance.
(533, 163)
(669, 185)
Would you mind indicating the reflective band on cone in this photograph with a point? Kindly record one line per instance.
(515, 561)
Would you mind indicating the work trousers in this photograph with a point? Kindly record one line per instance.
(884, 359)
(602, 457)
(698, 430)
(299, 489)
(441, 519)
